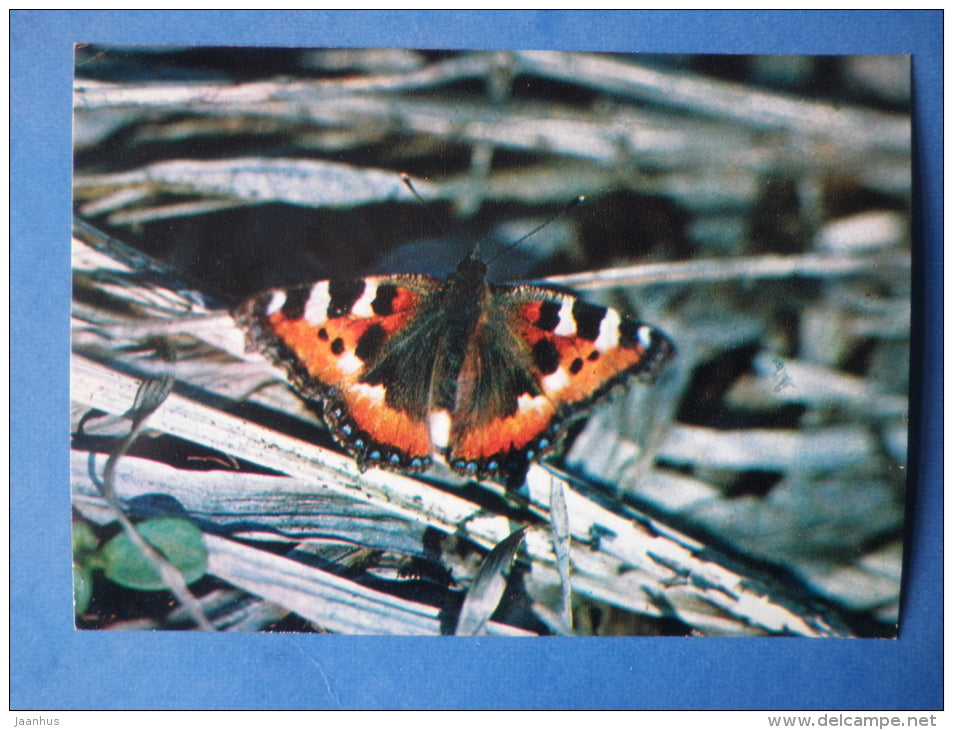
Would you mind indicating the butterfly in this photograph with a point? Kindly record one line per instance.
(410, 368)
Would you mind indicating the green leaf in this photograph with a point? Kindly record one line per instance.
(82, 590)
(84, 540)
(178, 540)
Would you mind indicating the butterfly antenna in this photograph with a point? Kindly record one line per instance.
(410, 186)
(433, 219)
(566, 208)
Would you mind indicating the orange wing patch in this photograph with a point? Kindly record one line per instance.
(579, 349)
(334, 349)
(584, 370)
(327, 352)
(533, 417)
(385, 425)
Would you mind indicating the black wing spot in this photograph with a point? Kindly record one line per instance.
(369, 343)
(323, 334)
(629, 333)
(546, 357)
(548, 316)
(383, 304)
(593, 356)
(588, 318)
(576, 365)
(337, 347)
(343, 293)
(295, 302)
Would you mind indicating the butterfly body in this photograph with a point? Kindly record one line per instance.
(411, 368)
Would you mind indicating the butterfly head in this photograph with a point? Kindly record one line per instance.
(471, 270)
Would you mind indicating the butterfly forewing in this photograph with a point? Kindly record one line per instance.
(581, 350)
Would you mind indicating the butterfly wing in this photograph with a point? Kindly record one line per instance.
(336, 340)
(540, 359)
(582, 350)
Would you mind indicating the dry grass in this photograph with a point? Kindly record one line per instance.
(757, 489)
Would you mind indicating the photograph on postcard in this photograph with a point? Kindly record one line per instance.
(507, 343)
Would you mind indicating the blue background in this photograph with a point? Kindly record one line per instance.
(54, 667)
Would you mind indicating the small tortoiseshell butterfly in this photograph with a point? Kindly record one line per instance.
(410, 368)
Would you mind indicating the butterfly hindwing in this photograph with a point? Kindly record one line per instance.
(501, 414)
